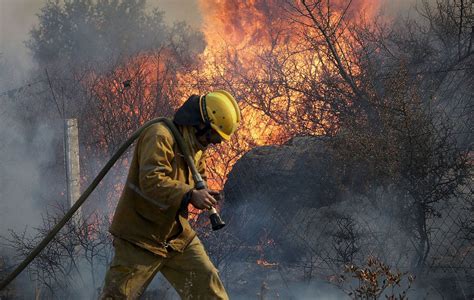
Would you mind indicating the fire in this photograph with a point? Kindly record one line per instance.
(264, 243)
(254, 48)
(259, 51)
(264, 263)
(240, 23)
(135, 90)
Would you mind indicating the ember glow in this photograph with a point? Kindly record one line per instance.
(264, 263)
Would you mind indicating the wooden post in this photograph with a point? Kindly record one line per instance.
(72, 164)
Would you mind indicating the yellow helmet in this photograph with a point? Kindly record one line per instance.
(221, 111)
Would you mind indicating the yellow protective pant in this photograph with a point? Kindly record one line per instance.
(191, 273)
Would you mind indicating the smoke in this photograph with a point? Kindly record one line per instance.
(29, 146)
(32, 174)
(29, 150)
(27, 153)
(16, 19)
(404, 9)
(180, 11)
(23, 153)
(274, 287)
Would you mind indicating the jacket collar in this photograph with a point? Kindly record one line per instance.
(189, 135)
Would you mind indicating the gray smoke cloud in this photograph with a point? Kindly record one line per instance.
(24, 150)
(16, 19)
(24, 155)
(20, 164)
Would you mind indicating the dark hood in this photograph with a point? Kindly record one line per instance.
(189, 113)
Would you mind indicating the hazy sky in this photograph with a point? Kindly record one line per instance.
(18, 16)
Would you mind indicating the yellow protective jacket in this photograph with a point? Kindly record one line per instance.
(150, 206)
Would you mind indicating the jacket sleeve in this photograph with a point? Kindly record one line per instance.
(155, 167)
(201, 167)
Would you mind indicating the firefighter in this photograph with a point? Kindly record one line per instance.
(150, 227)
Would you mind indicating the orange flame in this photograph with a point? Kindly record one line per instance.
(264, 263)
(241, 37)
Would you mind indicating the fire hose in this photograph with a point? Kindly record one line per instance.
(215, 219)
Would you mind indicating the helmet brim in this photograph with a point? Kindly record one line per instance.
(223, 135)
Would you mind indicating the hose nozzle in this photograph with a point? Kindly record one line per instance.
(216, 220)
